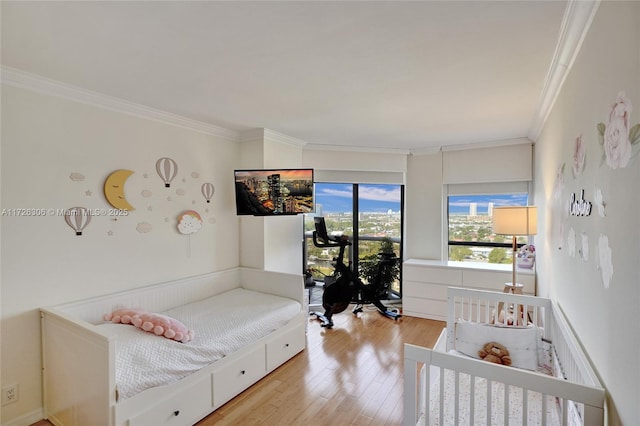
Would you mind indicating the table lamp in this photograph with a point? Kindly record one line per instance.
(515, 221)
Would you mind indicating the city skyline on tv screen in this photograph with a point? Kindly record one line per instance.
(267, 192)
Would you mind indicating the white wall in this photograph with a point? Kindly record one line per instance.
(271, 243)
(605, 319)
(283, 236)
(44, 140)
(423, 207)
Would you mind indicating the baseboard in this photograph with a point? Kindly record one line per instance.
(26, 419)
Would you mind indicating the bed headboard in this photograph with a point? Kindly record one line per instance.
(154, 298)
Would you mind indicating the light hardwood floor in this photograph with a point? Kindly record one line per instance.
(351, 374)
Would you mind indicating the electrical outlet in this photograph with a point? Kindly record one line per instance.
(9, 394)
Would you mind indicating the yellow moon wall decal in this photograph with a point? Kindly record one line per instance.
(114, 189)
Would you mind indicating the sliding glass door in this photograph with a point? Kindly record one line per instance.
(370, 214)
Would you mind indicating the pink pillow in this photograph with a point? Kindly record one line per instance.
(121, 316)
(160, 325)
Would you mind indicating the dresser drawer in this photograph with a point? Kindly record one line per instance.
(494, 280)
(184, 408)
(238, 375)
(284, 347)
(424, 290)
(425, 308)
(425, 283)
(437, 275)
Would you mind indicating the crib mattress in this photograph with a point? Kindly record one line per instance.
(222, 324)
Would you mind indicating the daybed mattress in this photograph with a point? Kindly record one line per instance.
(222, 324)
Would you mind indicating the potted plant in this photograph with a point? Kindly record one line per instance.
(385, 263)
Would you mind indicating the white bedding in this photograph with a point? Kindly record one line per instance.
(222, 324)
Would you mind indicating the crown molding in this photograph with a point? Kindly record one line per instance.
(487, 144)
(282, 138)
(263, 134)
(426, 151)
(575, 24)
(24, 80)
(371, 150)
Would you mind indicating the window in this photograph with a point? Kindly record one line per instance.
(368, 213)
(470, 234)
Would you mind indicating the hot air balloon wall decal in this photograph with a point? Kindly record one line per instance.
(77, 218)
(207, 190)
(189, 222)
(167, 170)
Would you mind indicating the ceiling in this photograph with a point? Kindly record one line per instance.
(412, 76)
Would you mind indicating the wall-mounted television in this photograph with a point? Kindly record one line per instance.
(274, 192)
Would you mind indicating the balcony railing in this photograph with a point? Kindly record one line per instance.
(323, 266)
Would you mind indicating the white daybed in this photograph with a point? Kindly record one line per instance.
(118, 375)
(560, 388)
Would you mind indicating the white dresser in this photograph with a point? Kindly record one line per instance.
(425, 282)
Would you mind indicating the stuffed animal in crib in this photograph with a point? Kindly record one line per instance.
(121, 316)
(498, 315)
(510, 320)
(496, 353)
(162, 325)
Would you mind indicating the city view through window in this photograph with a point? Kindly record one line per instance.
(471, 236)
(377, 217)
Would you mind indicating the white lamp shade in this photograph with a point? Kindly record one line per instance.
(521, 220)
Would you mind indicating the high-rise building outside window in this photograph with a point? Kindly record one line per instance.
(471, 236)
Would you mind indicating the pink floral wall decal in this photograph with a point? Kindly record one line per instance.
(558, 184)
(617, 137)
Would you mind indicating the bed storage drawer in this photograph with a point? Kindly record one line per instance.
(182, 409)
(238, 375)
(284, 347)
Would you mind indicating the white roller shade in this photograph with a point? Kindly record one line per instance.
(510, 163)
(345, 176)
(356, 166)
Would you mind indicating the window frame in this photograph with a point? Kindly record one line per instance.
(352, 254)
(489, 188)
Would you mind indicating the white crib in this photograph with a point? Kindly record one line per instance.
(443, 386)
